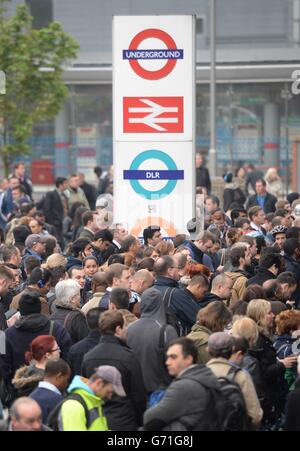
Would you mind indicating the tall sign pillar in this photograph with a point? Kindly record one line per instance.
(154, 122)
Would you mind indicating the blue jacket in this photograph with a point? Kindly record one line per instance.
(199, 256)
(46, 399)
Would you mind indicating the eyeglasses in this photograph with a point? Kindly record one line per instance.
(54, 350)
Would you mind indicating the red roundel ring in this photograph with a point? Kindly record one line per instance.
(163, 36)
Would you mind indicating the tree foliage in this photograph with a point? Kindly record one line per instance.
(32, 61)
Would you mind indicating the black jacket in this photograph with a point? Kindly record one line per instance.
(78, 351)
(73, 320)
(269, 205)
(293, 266)
(90, 194)
(261, 276)
(208, 298)
(203, 178)
(54, 210)
(19, 337)
(122, 413)
(292, 409)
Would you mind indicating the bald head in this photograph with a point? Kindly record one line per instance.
(26, 415)
(142, 280)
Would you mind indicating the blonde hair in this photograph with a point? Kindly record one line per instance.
(246, 328)
(257, 310)
(165, 247)
(56, 260)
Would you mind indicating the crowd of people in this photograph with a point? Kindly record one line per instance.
(101, 330)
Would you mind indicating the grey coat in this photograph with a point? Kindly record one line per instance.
(144, 339)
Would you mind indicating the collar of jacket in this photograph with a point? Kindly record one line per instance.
(267, 272)
(112, 339)
(165, 281)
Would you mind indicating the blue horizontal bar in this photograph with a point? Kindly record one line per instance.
(153, 175)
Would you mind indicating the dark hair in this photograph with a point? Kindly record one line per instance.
(292, 232)
(70, 271)
(26, 207)
(215, 316)
(40, 277)
(240, 222)
(74, 208)
(50, 244)
(120, 298)
(188, 347)
(20, 233)
(214, 199)
(86, 217)
(56, 274)
(30, 263)
(290, 245)
(54, 367)
(235, 213)
(146, 263)
(261, 181)
(60, 181)
(253, 211)
(236, 254)
(287, 277)
(104, 235)
(79, 245)
(253, 292)
(260, 243)
(270, 258)
(149, 232)
(109, 321)
(93, 317)
(128, 242)
(116, 258)
(90, 257)
(7, 252)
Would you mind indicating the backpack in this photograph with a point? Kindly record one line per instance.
(172, 319)
(52, 420)
(230, 413)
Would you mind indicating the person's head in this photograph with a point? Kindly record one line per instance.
(99, 282)
(102, 240)
(146, 263)
(193, 269)
(131, 244)
(212, 203)
(165, 247)
(116, 258)
(30, 263)
(90, 266)
(240, 256)
(30, 303)
(106, 381)
(222, 286)
(293, 232)
(26, 415)
(42, 349)
(119, 276)
(273, 290)
(261, 312)
(17, 192)
(35, 226)
(89, 220)
(74, 181)
(141, 281)
(81, 248)
(237, 213)
(261, 187)
(68, 293)
(247, 328)
(36, 243)
(120, 232)
(166, 266)
(288, 284)
(215, 316)
(271, 261)
(240, 348)
(19, 169)
(77, 273)
(118, 299)
(57, 373)
(113, 323)
(55, 260)
(181, 354)
(232, 236)
(220, 344)
(256, 215)
(20, 233)
(198, 286)
(278, 234)
(40, 279)
(251, 242)
(253, 292)
(291, 248)
(61, 183)
(287, 322)
(93, 318)
(6, 280)
(152, 235)
(10, 254)
(199, 160)
(150, 251)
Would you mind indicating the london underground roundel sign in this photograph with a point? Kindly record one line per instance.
(171, 54)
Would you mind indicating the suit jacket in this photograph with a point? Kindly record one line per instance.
(54, 209)
(269, 206)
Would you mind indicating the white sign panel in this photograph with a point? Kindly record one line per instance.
(153, 116)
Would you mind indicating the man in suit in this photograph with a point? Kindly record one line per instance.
(56, 205)
(202, 174)
(262, 198)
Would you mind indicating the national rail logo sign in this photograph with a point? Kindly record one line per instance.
(168, 51)
(153, 115)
